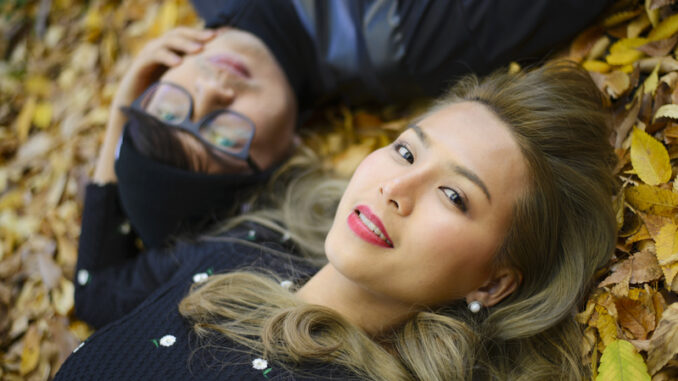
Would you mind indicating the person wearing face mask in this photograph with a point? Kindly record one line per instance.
(447, 256)
(275, 61)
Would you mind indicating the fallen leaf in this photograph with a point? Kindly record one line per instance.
(621, 361)
(31, 351)
(619, 18)
(582, 44)
(22, 123)
(664, 341)
(645, 267)
(597, 66)
(650, 85)
(651, 199)
(659, 47)
(635, 317)
(43, 115)
(669, 111)
(637, 26)
(649, 158)
(667, 252)
(666, 28)
(607, 325)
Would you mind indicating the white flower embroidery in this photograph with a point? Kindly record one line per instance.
(167, 340)
(286, 284)
(200, 277)
(83, 277)
(78, 347)
(259, 364)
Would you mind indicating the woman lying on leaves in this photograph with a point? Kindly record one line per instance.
(460, 251)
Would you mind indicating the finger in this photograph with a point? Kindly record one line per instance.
(167, 58)
(182, 45)
(193, 33)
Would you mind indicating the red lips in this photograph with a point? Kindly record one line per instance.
(362, 231)
(230, 63)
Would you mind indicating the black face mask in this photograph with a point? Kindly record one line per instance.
(163, 202)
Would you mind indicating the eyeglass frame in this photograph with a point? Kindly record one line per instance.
(194, 128)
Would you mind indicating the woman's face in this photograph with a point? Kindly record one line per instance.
(442, 197)
(235, 70)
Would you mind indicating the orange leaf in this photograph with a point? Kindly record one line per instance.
(635, 317)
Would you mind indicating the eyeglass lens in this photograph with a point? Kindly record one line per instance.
(228, 131)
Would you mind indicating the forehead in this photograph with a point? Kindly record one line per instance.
(471, 135)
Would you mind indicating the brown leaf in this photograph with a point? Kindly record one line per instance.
(660, 47)
(581, 46)
(625, 121)
(635, 317)
(664, 342)
(645, 267)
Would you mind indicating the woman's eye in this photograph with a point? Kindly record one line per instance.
(168, 116)
(455, 198)
(405, 153)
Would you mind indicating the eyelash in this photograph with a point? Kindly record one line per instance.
(451, 194)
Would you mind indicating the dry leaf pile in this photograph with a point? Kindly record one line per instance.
(62, 59)
(632, 317)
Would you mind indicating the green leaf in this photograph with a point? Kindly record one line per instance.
(621, 362)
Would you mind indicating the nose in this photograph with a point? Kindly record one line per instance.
(211, 96)
(400, 192)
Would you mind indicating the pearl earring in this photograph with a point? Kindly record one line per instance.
(474, 306)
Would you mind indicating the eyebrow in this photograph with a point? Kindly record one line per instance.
(458, 169)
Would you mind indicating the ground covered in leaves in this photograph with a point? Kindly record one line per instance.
(60, 61)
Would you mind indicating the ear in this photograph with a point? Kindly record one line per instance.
(500, 284)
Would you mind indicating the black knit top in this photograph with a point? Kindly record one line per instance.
(133, 301)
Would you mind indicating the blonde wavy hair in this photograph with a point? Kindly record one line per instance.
(563, 230)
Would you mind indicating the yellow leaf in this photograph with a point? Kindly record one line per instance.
(62, 297)
(38, 85)
(667, 252)
(637, 26)
(624, 57)
(665, 29)
(166, 19)
(93, 24)
(627, 44)
(620, 361)
(597, 66)
(43, 115)
(666, 111)
(606, 324)
(664, 341)
(23, 122)
(652, 81)
(619, 18)
(649, 158)
(652, 14)
(31, 352)
(653, 200)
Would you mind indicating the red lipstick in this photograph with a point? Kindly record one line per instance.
(366, 225)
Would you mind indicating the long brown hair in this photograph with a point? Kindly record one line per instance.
(563, 229)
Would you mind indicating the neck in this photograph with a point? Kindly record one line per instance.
(375, 314)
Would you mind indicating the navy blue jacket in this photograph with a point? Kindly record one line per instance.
(359, 51)
(134, 302)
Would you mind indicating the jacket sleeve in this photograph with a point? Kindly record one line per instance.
(397, 50)
(111, 278)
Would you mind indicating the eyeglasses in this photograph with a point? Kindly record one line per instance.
(222, 130)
